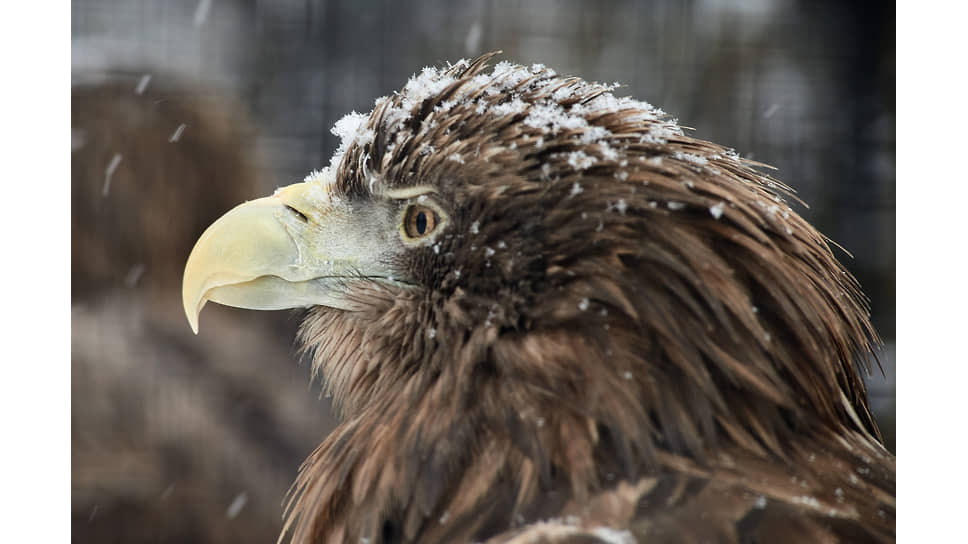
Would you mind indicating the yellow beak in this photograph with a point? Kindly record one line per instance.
(292, 249)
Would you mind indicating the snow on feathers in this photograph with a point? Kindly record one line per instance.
(632, 332)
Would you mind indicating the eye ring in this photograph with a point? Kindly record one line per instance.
(419, 221)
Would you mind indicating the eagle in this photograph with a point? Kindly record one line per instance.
(547, 314)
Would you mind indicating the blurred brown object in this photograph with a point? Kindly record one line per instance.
(146, 170)
(174, 437)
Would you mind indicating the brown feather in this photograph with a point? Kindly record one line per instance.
(635, 337)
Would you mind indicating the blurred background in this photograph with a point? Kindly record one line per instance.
(183, 108)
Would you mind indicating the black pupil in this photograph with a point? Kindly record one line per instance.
(421, 222)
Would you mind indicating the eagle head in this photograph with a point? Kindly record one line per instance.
(524, 291)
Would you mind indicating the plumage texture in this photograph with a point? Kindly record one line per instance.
(625, 334)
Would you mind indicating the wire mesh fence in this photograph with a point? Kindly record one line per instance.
(807, 87)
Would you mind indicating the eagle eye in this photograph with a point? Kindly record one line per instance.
(419, 221)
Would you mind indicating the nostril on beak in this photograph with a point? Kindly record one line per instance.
(297, 212)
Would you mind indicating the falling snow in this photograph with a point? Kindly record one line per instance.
(108, 172)
(177, 134)
(583, 304)
(168, 491)
(237, 505)
(142, 84)
(472, 42)
(77, 139)
(201, 12)
(133, 275)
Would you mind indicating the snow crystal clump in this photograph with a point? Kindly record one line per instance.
(317, 176)
(614, 536)
(510, 108)
(717, 210)
(694, 159)
(593, 134)
(445, 106)
(563, 94)
(807, 501)
(579, 160)
(608, 153)
(583, 304)
(575, 190)
(507, 75)
(553, 118)
(429, 83)
(351, 130)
